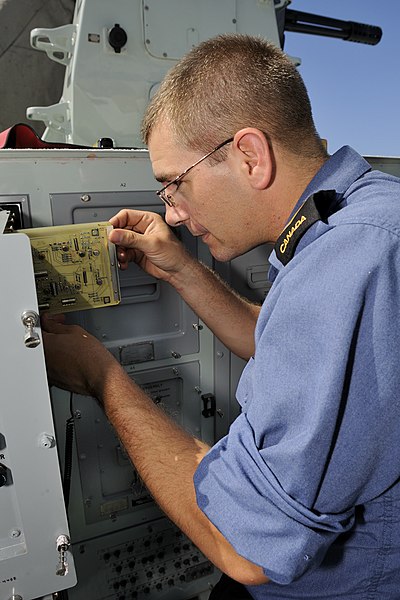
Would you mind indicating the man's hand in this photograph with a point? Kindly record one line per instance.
(75, 360)
(144, 237)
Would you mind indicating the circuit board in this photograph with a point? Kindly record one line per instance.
(75, 267)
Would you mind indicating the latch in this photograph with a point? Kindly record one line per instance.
(30, 320)
(63, 543)
(209, 405)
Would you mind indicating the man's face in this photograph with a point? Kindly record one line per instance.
(209, 200)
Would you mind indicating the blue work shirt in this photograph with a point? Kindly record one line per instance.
(306, 483)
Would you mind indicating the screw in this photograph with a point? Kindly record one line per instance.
(46, 440)
(197, 326)
(77, 414)
(85, 198)
(15, 533)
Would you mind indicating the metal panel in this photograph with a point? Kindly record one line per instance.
(388, 164)
(111, 492)
(154, 560)
(31, 497)
(196, 22)
(153, 334)
(156, 337)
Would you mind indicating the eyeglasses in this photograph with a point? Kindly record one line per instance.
(168, 198)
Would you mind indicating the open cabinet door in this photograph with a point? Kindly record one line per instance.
(33, 518)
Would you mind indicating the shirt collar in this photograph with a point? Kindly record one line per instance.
(338, 173)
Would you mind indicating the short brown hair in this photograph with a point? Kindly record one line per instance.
(230, 82)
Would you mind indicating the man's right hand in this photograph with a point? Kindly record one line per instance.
(144, 238)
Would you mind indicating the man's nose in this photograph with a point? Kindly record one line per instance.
(175, 215)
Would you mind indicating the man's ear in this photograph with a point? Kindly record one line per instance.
(254, 154)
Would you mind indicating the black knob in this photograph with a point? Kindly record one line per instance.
(117, 38)
(3, 475)
(105, 142)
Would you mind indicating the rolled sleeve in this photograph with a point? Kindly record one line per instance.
(242, 497)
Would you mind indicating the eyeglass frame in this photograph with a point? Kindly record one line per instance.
(168, 199)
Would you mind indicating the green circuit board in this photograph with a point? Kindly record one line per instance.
(75, 267)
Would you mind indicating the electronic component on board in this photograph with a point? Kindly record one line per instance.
(75, 267)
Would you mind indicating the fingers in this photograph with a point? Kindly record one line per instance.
(138, 220)
(124, 258)
(60, 318)
(122, 237)
(144, 238)
(131, 243)
(54, 323)
(119, 220)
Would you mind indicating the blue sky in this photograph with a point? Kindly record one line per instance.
(354, 88)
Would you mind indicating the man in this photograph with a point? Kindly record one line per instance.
(302, 498)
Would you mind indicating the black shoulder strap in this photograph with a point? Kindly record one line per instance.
(316, 208)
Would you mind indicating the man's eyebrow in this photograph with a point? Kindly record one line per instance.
(164, 177)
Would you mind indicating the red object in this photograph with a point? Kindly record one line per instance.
(21, 136)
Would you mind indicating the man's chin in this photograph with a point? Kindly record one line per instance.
(217, 250)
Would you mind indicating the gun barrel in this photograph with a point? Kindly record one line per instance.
(350, 31)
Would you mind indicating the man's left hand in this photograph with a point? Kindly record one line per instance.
(75, 360)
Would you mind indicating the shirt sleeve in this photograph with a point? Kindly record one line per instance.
(320, 409)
